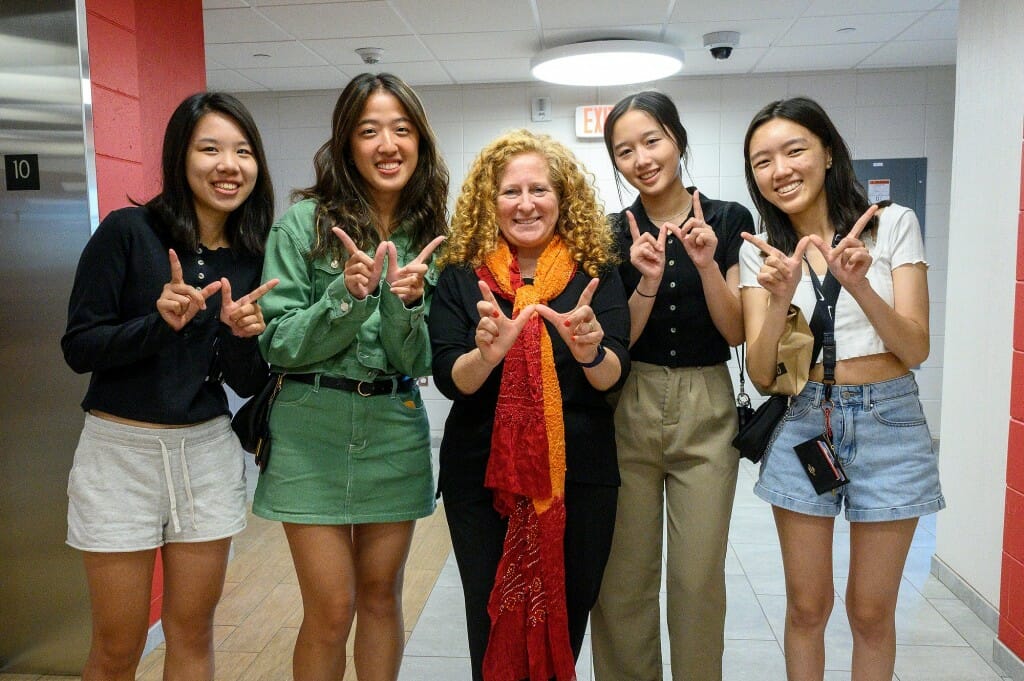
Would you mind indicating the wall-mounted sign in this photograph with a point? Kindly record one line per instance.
(22, 171)
(590, 120)
(879, 190)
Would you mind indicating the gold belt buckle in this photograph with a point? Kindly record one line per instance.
(359, 389)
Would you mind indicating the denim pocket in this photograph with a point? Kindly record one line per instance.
(902, 411)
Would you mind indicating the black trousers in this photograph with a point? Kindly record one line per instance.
(478, 534)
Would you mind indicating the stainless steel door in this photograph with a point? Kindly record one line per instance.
(44, 609)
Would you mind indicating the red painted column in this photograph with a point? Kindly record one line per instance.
(144, 58)
(1011, 596)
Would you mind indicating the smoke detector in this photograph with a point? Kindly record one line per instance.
(370, 55)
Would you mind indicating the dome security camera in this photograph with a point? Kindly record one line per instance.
(721, 43)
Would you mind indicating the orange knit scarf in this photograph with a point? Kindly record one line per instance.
(526, 470)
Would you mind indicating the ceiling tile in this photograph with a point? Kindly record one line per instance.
(224, 79)
(606, 13)
(933, 26)
(337, 20)
(745, 10)
(913, 53)
(396, 49)
(870, 28)
(815, 57)
(490, 70)
(266, 3)
(842, 7)
(239, 26)
(282, 54)
(416, 72)
(442, 16)
(300, 78)
(480, 45)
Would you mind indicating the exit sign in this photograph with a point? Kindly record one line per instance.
(590, 119)
(22, 171)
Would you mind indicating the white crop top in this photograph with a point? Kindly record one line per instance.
(897, 243)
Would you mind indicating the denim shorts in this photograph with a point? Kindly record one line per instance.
(133, 488)
(881, 438)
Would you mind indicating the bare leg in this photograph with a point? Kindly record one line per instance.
(381, 551)
(119, 589)
(878, 552)
(810, 592)
(193, 583)
(325, 565)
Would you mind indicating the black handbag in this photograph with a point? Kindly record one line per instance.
(756, 425)
(251, 422)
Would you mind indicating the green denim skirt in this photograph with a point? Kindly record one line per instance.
(338, 458)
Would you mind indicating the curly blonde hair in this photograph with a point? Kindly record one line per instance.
(581, 222)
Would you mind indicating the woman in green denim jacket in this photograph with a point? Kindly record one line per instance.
(347, 325)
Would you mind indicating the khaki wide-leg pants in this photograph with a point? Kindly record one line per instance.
(673, 432)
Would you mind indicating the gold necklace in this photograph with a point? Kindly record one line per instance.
(672, 218)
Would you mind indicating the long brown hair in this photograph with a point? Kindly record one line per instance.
(342, 194)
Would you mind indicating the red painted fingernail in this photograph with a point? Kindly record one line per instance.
(574, 339)
(494, 314)
(567, 323)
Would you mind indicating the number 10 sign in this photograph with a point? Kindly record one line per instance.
(22, 171)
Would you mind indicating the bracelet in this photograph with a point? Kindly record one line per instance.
(601, 352)
(644, 295)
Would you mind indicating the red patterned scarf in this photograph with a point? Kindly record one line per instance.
(526, 470)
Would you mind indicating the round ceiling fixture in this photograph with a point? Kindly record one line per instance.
(607, 62)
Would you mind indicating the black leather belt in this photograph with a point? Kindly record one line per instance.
(362, 388)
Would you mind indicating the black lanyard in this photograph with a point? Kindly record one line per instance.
(823, 327)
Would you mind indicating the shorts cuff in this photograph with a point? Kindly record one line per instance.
(899, 513)
(796, 505)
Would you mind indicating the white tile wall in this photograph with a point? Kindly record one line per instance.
(903, 112)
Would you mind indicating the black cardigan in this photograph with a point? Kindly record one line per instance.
(589, 430)
(141, 368)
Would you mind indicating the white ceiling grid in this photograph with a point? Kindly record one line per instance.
(254, 45)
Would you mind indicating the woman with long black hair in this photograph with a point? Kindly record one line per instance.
(153, 317)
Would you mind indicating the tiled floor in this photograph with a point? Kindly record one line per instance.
(938, 638)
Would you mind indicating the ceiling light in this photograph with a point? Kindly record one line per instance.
(607, 62)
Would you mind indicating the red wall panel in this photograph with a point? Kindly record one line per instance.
(120, 12)
(1011, 587)
(117, 127)
(115, 64)
(145, 57)
(172, 66)
(114, 173)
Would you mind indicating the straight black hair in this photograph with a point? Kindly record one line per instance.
(248, 225)
(658, 106)
(844, 195)
(342, 193)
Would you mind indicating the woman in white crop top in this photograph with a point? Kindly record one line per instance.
(816, 215)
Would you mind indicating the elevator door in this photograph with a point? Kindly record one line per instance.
(46, 216)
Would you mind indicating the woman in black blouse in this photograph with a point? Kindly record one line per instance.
(528, 327)
(152, 316)
(676, 415)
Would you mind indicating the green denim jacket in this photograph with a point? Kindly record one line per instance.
(315, 326)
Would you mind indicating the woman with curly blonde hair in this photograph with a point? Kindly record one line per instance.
(529, 327)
